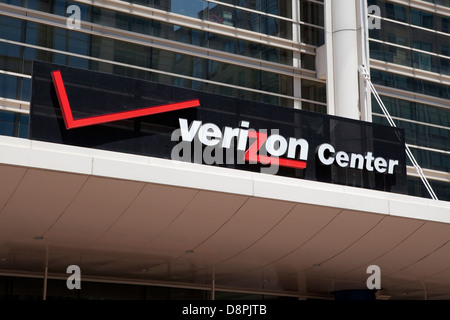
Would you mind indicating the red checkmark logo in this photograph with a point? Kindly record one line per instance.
(72, 123)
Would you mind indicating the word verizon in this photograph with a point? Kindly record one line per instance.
(274, 148)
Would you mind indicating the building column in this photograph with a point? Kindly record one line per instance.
(346, 48)
(365, 100)
(345, 58)
(296, 59)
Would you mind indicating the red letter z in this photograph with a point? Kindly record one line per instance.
(252, 153)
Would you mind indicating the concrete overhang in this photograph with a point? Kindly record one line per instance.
(136, 219)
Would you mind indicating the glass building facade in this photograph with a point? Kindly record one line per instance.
(261, 50)
(249, 54)
(410, 66)
(252, 49)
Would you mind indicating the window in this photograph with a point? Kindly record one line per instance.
(13, 124)
(395, 12)
(422, 19)
(410, 84)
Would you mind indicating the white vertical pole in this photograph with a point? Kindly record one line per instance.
(345, 58)
(364, 59)
(297, 62)
(213, 284)
(329, 57)
(44, 293)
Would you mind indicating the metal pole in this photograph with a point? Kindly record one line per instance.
(345, 58)
(44, 294)
(213, 285)
(422, 176)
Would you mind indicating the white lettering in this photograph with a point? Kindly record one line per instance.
(212, 138)
(342, 159)
(74, 281)
(276, 145)
(327, 155)
(321, 153)
(293, 144)
(380, 165)
(189, 134)
(245, 124)
(374, 281)
(199, 310)
(360, 159)
(374, 21)
(208, 132)
(242, 140)
(74, 20)
(392, 164)
(228, 135)
(369, 159)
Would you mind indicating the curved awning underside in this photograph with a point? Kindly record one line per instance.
(132, 218)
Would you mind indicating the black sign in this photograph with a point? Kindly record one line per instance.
(97, 110)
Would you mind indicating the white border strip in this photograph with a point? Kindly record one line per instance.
(58, 157)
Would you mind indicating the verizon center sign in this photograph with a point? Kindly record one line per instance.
(103, 111)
